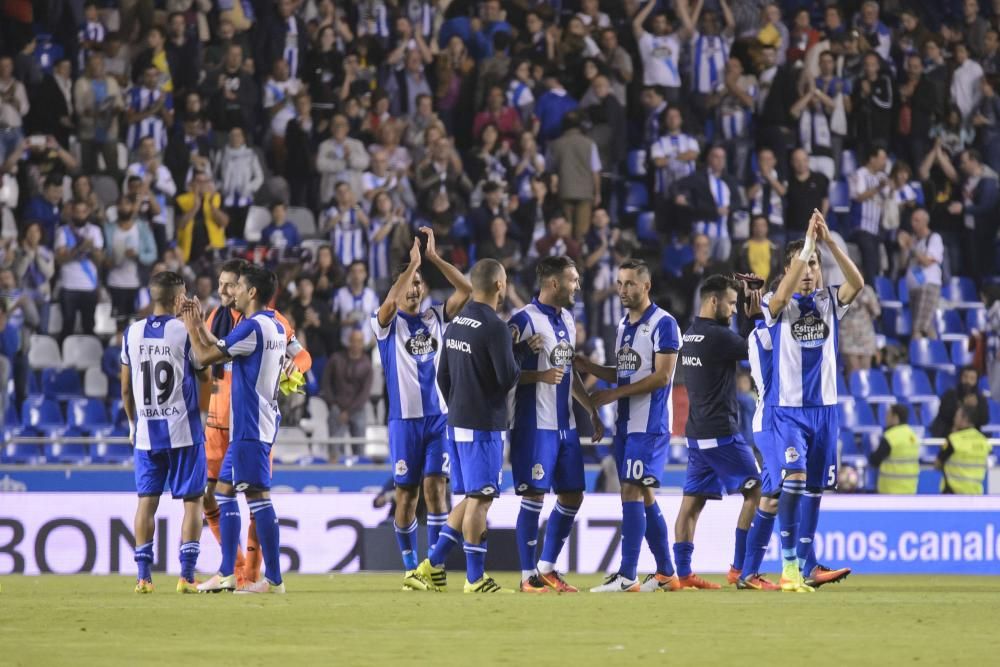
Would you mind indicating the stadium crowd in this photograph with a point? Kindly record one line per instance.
(316, 136)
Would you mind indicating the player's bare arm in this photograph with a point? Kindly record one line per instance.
(607, 373)
(663, 370)
(463, 288)
(204, 352)
(854, 280)
(584, 399)
(388, 309)
(786, 288)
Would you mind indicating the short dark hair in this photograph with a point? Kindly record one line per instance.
(637, 265)
(901, 411)
(484, 274)
(400, 270)
(53, 180)
(233, 266)
(549, 267)
(261, 279)
(164, 287)
(973, 154)
(357, 262)
(717, 285)
(793, 249)
(968, 368)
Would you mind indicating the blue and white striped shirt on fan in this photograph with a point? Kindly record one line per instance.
(140, 99)
(378, 252)
(709, 54)
(291, 50)
(718, 227)
(349, 237)
(866, 215)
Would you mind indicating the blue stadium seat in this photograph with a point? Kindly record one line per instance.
(886, 292)
(949, 325)
(857, 416)
(88, 414)
(883, 411)
(314, 376)
(929, 412)
(20, 453)
(635, 163)
(903, 291)
(10, 419)
(960, 354)
(840, 197)
(61, 384)
(911, 384)
(842, 392)
(961, 291)
(637, 197)
(984, 387)
(975, 319)
(675, 257)
(41, 413)
(870, 385)
(926, 353)
(645, 227)
(992, 428)
(71, 453)
(850, 445)
(118, 417)
(105, 452)
(897, 322)
(943, 381)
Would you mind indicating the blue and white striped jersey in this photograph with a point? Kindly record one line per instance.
(349, 237)
(141, 98)
(805, 342)
(761, 371)
(158, 354)
(637, 345)
(545, 406)
(257, 346)
(410, 351)
(709, 54)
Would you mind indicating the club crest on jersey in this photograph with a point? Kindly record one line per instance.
(629, 361)
(537, 472)
(421, 346)
(561, 355)
(791, 456)
(401, 468)
(644, 330)
(810, 330)
(156, 325)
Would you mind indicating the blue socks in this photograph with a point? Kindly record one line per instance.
(144, 561)
(741, 549)
(633, 530)
(527, 535)
(407, 540)
(434, 524)
(757, 541)
(189, 559)
(448, 539)
(788, 516)
(682, 555)
(808, 519)
(268, 534)
(475, 561)
(556, 533)
(229, 528)
(658, 540)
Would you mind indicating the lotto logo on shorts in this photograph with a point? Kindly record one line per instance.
(791, 456)
(649, 480)
(401, 468)
(749, 484)
(488, 490)
(521, 488)
(537, 472)
(242, 486)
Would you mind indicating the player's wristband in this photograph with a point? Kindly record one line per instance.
(808, 249)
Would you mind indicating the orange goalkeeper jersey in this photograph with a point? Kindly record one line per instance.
(218, 405)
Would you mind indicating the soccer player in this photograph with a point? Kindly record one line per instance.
(647, 346)
(719, 460)
(160, 397)
(476, 372)
(221, 322)
(409, 342)
(257, 347)
(805, 317)
(545, 451)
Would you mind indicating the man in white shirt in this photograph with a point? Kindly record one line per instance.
(868, 193)
(79, 248)
(674, 154)
(924, 252)
(965, 82)
(660, 52)
(13, 108)
(340, 158)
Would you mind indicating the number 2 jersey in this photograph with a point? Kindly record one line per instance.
(257, 345)
(158, 354)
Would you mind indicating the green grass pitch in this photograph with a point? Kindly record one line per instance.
(364, 619)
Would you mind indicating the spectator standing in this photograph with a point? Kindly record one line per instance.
(347, 224)
(188, 149)
(354, 303)
(156, 188)
(873, 101)
(767, 195)
(14, 106)
(708, 197)
(499, 246)
(46, 208)
(660, 50)
(183, 54)
(868, 188)
(574, 157)
(673, 154)
(986, 120)
(240, 176)
(506, 118)
(737, 95)
(551, 107)
(52, 104)
(236, 96)
(924, 101)
(326, 273)
(98, 102)
(79, 248)
(131, 250)
(857, 331)
(346, 387)
(34, 264)
(281, 233)
(302, 138)
(150, 111)
(923, 254)
(965, 82)
(965, 394)
(314, 318)
(559, 241)
(807, 190)
(978, 208)
(201, 225)
(759, 254)
(340, 159)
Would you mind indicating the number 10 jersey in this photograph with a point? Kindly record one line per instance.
(158, 354)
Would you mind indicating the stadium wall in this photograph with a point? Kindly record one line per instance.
(91, 533)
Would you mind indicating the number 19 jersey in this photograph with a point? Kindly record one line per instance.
(158, 354)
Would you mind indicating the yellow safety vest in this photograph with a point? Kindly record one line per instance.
(966, 467)
(899, 473)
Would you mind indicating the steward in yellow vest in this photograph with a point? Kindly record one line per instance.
(963, 460)
(898, 455)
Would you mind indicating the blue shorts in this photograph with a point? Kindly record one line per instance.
(247, 465)
(416, 448)
(770, 477)
(641, 457)
(544, 460)
(476, 461)
(183, 469)
(729, 469)
(806, 441)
